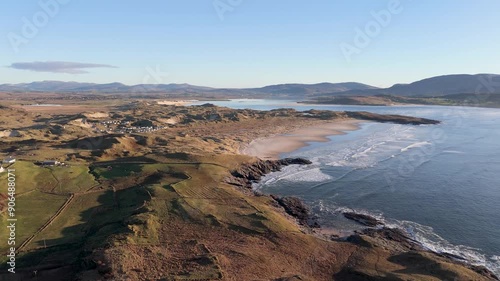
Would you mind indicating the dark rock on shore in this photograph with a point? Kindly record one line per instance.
(452, 256)
(247, 174)
(387, 247)
(297, 209)
(477, 268)
(393, 234)
(293, 161)
(398, 119)
(408, 251)
(484, 271)
(362, 219)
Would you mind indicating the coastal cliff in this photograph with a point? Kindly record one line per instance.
(247, 174)
(379, 250)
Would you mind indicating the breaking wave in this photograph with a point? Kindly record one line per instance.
(415, 145)
(453, 152)
(294, 173)
(424, 235)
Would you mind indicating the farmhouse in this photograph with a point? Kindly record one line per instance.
(50, 163)
(9, 160)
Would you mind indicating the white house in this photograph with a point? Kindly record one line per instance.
(9, 160)
(2, 169)
(50, 163)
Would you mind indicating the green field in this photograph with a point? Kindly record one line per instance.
(117, 170)
(32, 211)
(40, 192)
(72, 179)
(130, 203)
(27, 174)
(59, 180)
(92, 216)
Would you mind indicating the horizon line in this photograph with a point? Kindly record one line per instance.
(239, 88)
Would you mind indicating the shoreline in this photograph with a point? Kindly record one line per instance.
(378, 234)
(176, 102)
(374, 235)
(271, 147)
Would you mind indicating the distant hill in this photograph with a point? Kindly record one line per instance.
(448, 85)
(45, 86)
(59, 86)
(440, 86)
(477, 100)
(295, 90)
(312, 89)
(431, 87)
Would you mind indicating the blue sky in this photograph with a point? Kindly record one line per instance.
(251, 43)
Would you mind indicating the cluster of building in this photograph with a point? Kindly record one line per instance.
(124, 127)
(134, 129)
(114, 122)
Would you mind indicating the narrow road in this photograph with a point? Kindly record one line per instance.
(43, 227)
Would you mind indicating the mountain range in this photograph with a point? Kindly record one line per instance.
(434, 86)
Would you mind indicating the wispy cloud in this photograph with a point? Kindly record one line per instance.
(58, 66)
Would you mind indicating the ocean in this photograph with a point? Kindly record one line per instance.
(441, 183)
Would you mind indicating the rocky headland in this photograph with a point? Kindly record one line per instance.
(376, 241)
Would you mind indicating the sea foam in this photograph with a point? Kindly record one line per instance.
(424, 235)
(415, 145)
(295, 173)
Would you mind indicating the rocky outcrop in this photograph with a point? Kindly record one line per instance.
(390, 234)
(409, 252)
(362, 219)
(247, 174)
(483, 271)
(391, 118)
(393, 251)
(297, 209)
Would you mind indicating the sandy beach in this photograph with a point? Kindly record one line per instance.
(271, 147)
(176, 102)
